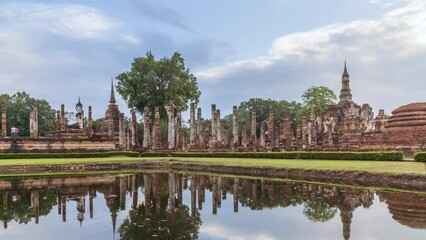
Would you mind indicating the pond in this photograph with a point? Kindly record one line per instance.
(187, 206)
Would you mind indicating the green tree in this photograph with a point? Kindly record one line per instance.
(320, 97)
(262, 107)
(18, 108)
(152, 83)
(318, 210)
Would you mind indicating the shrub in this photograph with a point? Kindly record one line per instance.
(68, 155)
(372, 156)
(420, 156)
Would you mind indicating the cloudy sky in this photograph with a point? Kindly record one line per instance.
(62, 50)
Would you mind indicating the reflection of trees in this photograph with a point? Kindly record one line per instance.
(318, 210)
(22, 211)
(161, 216)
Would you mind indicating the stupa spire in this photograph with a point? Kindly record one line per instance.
(345, 93)
(112, 97)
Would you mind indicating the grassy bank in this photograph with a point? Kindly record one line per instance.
(341, 165)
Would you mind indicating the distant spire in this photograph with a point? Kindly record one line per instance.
(345, 92)
(112, 97)
(345, 71)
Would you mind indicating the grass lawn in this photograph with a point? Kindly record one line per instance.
(346, 165)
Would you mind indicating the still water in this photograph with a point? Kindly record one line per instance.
(186, 206)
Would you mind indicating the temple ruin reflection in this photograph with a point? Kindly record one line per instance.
(158, 207)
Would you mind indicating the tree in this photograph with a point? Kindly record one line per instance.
(18, 108)
(318, 210)
(154, 83)
(320, 97)
(262, 107)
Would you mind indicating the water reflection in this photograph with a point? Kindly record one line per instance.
(173, 206)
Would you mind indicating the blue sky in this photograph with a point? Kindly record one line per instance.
(62, 50)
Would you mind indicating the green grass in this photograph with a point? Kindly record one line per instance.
(343, 165)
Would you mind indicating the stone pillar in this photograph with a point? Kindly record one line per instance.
(253, 127)
(146, 129)
(225, 134)
(193, 127)
(298, 136)
(58, 121)
(179, 128)
(282, 136)
(34, 122)
(218, 127)
(111, 128)
(276, 137)
(157, 133)
(171, 126)
(198, 124)
(270, 135)
(235, 126)
(129, 138)
(3, 119)
(213, 127)
(62, 117)
(244, 134)
(262, 134)
(313, 128)
(287, 131)
(201, 136)
(133, 131)
(90, 122)
(122, 132)
(304, 132)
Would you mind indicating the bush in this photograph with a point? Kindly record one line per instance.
(420, 156)
(372, 156)
(154, 154)
(68, 155)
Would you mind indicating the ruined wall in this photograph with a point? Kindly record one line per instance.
(54, 145)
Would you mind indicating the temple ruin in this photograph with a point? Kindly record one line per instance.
(344, 126)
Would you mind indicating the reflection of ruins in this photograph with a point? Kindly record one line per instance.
(407, 209)
(162, 210)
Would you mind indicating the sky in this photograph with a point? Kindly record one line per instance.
(62, 50)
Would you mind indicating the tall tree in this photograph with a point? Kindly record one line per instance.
(18, 113)
(152, 83)
(320, 97)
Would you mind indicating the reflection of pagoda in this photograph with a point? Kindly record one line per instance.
(408, 209)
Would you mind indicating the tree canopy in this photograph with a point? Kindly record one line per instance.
(18, 113)
(320, 97)
(152, 83)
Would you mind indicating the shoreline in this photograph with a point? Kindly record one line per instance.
(401, 181)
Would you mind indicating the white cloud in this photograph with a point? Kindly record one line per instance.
(385, 53)
(222, 232)
(67, 20)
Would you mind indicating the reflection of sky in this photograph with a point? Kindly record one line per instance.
(52, 227)
(374, 222)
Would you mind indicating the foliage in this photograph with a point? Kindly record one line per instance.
(263, 107)
(420, 156)
(320, 97)
(18, 107)
(20, 211)
(97, 124)
(67, 155)
(318, 210)
(372, 156)
(152, 83)
(165, 221)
